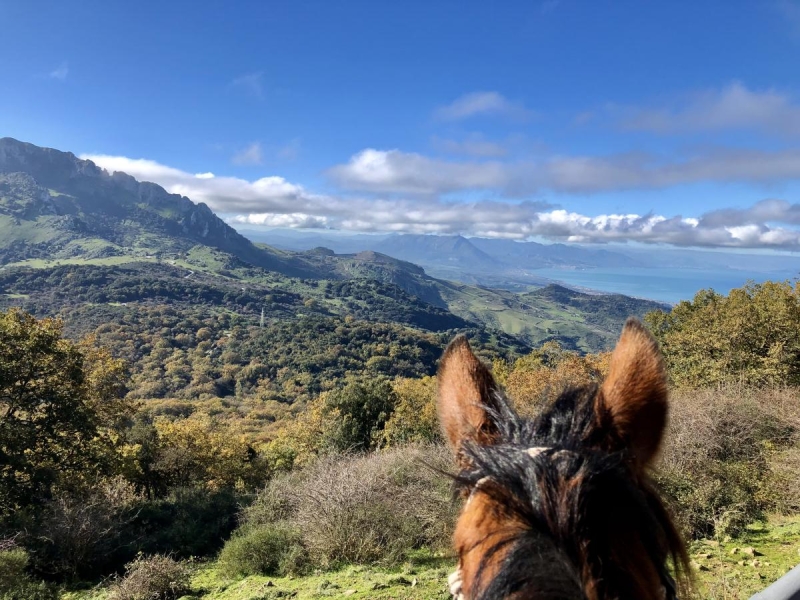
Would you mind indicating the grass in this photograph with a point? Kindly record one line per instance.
(422, 577)
(724, 570)
(740, 567)
(39, 263)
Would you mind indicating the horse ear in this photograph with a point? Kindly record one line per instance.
(634, 394)
(466, 390)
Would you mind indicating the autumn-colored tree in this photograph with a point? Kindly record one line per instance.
(414, 418)
(298, 443)
(536, 378)
(59, 405)
(751, 336)
(193, 451)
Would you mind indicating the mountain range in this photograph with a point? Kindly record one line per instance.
(519, 265)
(57, 209)
(494, 262)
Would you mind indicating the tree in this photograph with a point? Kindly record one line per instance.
(58, 404)
(414, 418)
(357, 414)
(751, 336)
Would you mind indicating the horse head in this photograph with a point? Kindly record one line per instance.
(562, 505)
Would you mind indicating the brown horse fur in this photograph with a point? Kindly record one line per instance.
(562, 506)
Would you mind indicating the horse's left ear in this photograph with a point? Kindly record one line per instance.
(634, 394)
(466, 390)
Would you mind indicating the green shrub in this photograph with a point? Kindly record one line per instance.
(719, 499)
(357, 415)
(15, 583)
(276, 502)
(152, 578)
(269, 549)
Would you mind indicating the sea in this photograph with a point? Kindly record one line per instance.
(663, 284)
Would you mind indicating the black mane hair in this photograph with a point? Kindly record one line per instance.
(573, 493)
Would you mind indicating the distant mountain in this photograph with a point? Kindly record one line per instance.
(493, 262)
(54, 205)
(531, 255)
(449, 250)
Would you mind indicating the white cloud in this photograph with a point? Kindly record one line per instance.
(397, 172)
(292, 220)
(250, 155)
(275, 202)
(251, 83)
(393, 171)
(60, 73)
(482, 103)
(732, 107)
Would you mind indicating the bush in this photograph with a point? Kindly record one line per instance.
(89, 533)
(269, 549)
(80, 533)
(375, 508)
(152, 578)
(786, 480)
(717, 463)
(15, 583)
(276, 502)
(358, 509)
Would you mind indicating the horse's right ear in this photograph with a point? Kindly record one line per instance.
(635, 392)
(466, 390)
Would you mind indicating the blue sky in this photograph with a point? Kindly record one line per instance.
(569, 121)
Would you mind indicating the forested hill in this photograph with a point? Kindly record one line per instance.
(194, 335)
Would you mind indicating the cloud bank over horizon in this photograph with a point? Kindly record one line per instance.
(394, 171)
(414, 204)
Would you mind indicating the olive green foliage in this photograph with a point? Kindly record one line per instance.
(751, 336)
(267, 549)
(357, 414)
(58, 403)
(152, 578)
(15, 582)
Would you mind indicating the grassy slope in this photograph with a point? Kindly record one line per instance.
(724, 570)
